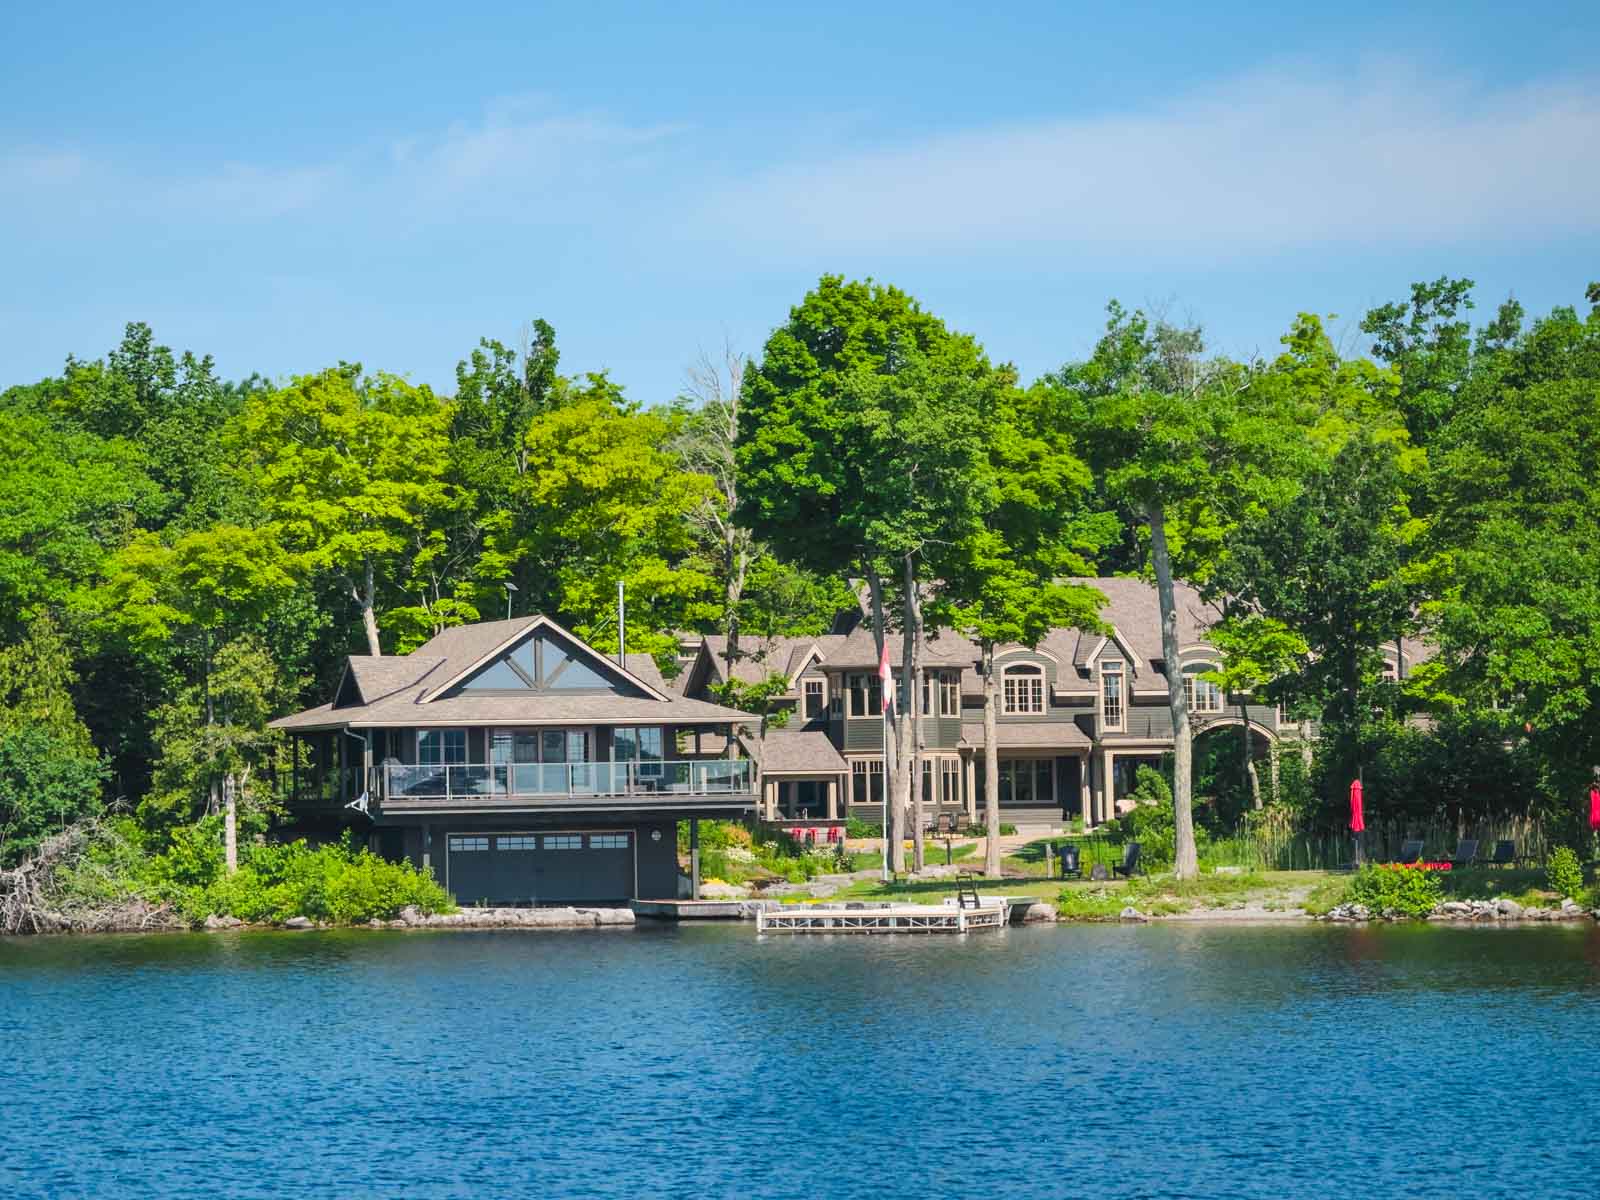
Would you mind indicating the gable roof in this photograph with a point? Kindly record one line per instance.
(413, 689)
(487, 640)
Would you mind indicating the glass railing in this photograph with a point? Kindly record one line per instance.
(710, 777)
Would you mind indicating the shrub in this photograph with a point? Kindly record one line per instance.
(855, 827)
(1563, 873)
(1007, 829)
(1150, 821)
(1399, 890)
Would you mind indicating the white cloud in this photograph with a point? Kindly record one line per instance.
(1275, 161)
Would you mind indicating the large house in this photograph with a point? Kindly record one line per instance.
(519, 764)
(1077, 714)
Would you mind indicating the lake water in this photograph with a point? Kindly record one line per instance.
(1169, 1060)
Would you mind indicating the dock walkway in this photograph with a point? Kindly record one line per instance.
(889, 918)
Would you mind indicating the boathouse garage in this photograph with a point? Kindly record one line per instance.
(518, 764)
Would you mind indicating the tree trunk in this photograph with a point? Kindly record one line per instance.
(892, 829)
(1249, 760)
(991, 766)
(1186, 859)
(368, 617)
(910, 657)
(230, 823)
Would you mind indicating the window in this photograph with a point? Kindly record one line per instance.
(1027, 782)
(950, 694)
(516, 841)
(1204, 696)
(636, 745)
(608, 841)
(950, 772)
(1111, 693)
(1023, 689)
(815, 690)
(461, 845)
(866, 777)
(563, 841)
(866, 695)
(442, 746)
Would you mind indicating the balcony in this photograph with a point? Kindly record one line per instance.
(558, 786)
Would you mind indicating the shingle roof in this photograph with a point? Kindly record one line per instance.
(1032, 734)
(800, 752)
(394, 690)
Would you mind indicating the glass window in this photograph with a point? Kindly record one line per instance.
(553, 745)
(1023, 690)
(498, 676)
(867, 781)
(608, 841)
(563, 841)
(442, 746)
(1111, 693)
(950, 694)
(1204, 695)
(461, 845)
(814, 694)
(866, 696)
(516, 841)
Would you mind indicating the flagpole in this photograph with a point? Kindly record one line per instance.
(886, 706)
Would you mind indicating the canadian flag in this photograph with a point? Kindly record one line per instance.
(887, 678)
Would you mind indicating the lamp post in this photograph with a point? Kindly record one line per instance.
(510, 587)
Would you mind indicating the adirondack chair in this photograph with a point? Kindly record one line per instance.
(1130, 861)
(1410, 852)
(1505, 855)
(1466, 851)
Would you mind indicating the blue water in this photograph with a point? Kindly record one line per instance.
(701, 1062)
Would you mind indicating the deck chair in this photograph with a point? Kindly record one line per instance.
(945, 826)
(1505, 855)
(1071, 855)
(1130, 861)
(1410, 852)
(1466, 851)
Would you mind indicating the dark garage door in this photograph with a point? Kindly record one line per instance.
(540, 868)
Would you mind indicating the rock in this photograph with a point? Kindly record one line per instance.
(224, 922)
(723, 891)
(1509, 910)
(1132, 914)
(749, 908)
(821, 891)
(411, 915)
(1454, 909)
(1040, 912)
(1360, 912)
(299, 923)
(1227, 870)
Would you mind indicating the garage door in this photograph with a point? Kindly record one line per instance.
(559, 867)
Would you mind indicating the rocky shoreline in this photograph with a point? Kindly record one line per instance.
(1470, 911)
(466, 918)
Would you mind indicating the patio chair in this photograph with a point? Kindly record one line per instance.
(1071, 860)
(945, 826)
(1410, 852)
(1466, 851)
(1505, 855)
(1130, 861)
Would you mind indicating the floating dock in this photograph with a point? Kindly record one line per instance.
(886, 918)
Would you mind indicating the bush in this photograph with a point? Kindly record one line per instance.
(1007, 829)
(1150, 821)
(855, 827)
(1398, 890)
(1563, 873)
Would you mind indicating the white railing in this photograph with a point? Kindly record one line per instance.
(535, 781)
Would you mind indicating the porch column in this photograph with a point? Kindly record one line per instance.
(833, 799)
(427, 850)
(694, 858)
(970, 780)
(1085, 796)
(1108, 788)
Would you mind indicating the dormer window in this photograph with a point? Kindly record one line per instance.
(1022, 689)
(1111, 693)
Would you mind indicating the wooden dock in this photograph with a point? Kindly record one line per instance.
(888, 918)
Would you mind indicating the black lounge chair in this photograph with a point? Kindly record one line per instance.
(1466, 851)
(1505, 855)
(1410, 852)
(1130, 861)
(1071, 855)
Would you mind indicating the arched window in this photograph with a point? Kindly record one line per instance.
(1022, 688)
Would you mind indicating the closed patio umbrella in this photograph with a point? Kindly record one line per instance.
(1594, 807)
(1358, 820)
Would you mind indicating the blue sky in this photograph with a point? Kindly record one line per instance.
(389, 183)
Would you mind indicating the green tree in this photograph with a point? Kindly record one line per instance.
(347, 467)
(861, 447)
(1190, 446)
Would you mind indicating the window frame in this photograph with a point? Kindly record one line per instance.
(443, 733)
(1192, 685)
(808, 687)
(1113, 669)
(1022, 690)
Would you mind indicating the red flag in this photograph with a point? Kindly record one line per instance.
(886, 677)
(1358, 821)
(1594, 808)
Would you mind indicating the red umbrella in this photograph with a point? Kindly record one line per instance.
(1358, 822)
(1594, 808)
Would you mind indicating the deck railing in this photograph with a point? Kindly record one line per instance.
(535, 781)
